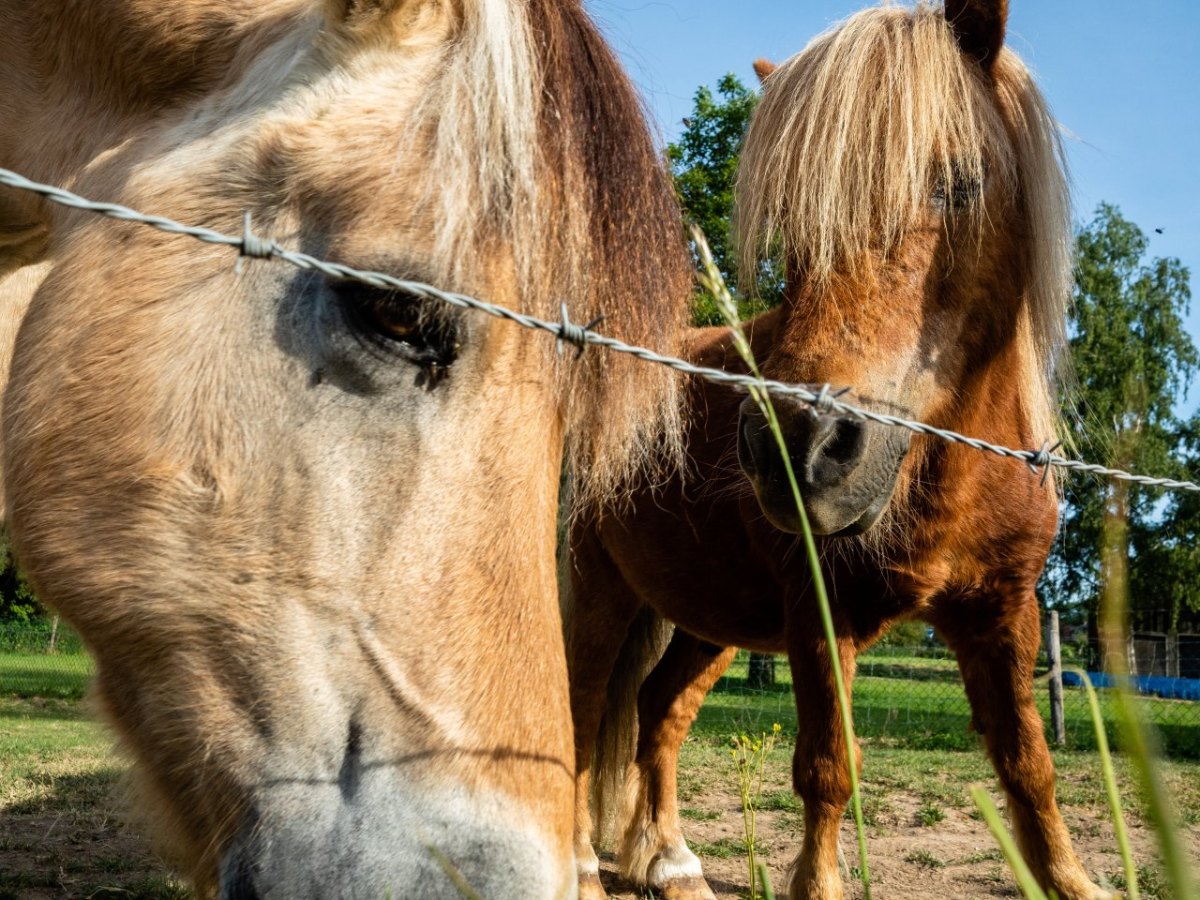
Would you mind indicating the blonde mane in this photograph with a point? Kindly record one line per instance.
(539, 144)
(852, 134)
(481, 112)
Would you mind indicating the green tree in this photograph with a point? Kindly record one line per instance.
(704, 161)
(1132, 360)
(17, 601)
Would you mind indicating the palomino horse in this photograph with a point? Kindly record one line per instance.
(911, 173)
(307, 527)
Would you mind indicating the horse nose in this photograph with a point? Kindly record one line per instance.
(396, 835)
(824, 450)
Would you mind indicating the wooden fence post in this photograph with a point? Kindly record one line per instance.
(54, 635)
(1054, 649)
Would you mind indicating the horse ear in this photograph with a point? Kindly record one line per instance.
(979, 27)
(763, 68)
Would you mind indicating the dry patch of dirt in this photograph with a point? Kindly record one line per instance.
(68, 854)
(910, 856)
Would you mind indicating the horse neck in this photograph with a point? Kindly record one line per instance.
(78, 77)
(1006, 398)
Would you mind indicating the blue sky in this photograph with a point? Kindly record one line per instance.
(1122, 78)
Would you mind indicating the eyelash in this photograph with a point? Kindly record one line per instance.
(964, 190)
(399, 324)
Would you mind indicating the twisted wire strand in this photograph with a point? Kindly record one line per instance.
(823, 399)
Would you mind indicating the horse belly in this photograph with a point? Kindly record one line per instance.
(715, 599)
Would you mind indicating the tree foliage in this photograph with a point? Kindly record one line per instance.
(17, 601)
(1133, 360)
(704, 161)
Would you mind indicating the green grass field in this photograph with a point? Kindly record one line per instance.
(60, 675)
(904, 700)
(62, 835)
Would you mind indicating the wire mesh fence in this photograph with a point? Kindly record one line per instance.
(43, 659)
(913, 697)
(904, 696)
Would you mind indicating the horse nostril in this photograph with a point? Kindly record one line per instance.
(847, 443)
(745, 446)
(834, 450)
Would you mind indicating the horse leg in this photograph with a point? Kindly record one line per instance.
(819, 770)
(996, 651)
(600, 609)
(654, 852)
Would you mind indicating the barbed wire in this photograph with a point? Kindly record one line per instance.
(823, 399)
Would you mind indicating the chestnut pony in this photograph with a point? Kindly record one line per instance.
(908, 168)
(307, 527)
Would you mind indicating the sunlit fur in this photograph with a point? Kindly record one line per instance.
(527, 111)
(832, 172)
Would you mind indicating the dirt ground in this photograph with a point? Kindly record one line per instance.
(85, 854)
(60, 836)
(51, 856)
(954, 858)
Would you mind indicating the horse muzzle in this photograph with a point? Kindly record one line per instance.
(846, 469)
(311, 842)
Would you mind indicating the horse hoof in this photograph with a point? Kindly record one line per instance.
(1082, 888)
(692, 887)
(590, 888)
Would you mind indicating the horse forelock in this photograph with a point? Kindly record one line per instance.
(851, 135)
(540, 145)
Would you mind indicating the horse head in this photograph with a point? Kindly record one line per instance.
(902, 163)
(306, 525)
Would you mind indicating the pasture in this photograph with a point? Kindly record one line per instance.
(62, 833)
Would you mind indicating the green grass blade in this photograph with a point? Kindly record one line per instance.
(764, 878)
(1110, 786)
(715, 284)
(1026, 881)
(1137, 738)
(1162, 813)
(456, 877)
(810, 546)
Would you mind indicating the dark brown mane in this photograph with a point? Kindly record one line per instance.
(601, 160)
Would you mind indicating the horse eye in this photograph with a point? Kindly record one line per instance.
(962, 190)
(390, 315)
(400, 323)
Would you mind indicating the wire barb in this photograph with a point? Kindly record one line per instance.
(1042, 459)
(823, 402)
(253, 246)
(574, 334)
